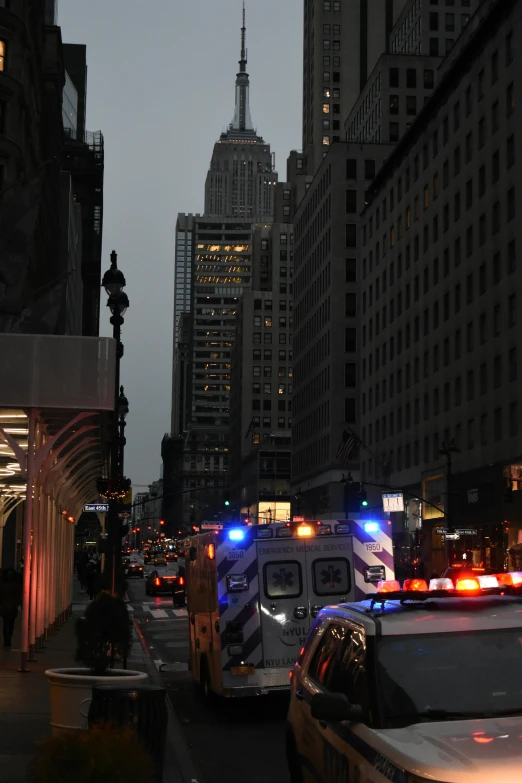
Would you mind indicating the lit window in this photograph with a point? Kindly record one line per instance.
(326, 140)
(2, 55)
(326, 108)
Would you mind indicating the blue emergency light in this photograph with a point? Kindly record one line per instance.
(371, 527)
(236, 534)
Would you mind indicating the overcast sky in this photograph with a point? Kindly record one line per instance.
(161, 88)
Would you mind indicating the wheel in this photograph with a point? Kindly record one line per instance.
(292, 758)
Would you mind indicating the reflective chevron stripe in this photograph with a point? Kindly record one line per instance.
(242, 607)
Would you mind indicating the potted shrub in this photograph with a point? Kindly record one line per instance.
(104, 753)
(104, 633)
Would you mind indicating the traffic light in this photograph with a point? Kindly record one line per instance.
(227, 498)
(363, 498)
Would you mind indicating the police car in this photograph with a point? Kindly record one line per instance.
(413, 685)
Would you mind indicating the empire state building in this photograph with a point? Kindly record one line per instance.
(241, 180)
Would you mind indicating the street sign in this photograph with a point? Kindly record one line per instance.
(460, 531)
(211, 526)
(452, 536)
(393, 501)
(124, 515)
(99, 508)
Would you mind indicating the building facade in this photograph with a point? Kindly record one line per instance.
(342, 43)
(431, 28)
(440, 283)
(328, 241)
(395, 92)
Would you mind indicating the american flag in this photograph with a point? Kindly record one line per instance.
(348, 447)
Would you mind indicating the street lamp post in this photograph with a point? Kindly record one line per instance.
(118, 302)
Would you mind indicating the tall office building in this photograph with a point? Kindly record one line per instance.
(343, 40)
(182, 269)
(440, 301)
(239, 194)
(241, 179)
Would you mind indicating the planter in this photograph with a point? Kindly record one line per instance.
(71, 694)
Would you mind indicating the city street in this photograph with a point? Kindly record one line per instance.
(233, 739)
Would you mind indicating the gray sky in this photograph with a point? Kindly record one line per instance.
(161, 88)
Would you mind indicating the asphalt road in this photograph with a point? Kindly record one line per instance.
(231, 740)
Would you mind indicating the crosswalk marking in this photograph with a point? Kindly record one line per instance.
(180, 613)
(158, 614)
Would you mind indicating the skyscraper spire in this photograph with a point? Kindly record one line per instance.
(244, 53)
(242, 120)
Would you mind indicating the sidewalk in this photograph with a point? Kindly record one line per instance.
(24, 698)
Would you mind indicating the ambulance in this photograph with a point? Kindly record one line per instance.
(254, 591)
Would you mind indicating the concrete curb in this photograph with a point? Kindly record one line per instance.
(178, 757)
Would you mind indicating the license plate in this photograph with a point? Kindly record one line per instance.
(242, 671)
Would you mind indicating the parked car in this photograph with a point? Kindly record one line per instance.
(160, 584)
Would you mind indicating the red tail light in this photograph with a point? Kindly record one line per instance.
(157, 581)
(181, 580)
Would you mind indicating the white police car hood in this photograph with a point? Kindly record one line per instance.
(464, 751)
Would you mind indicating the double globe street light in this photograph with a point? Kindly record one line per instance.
(117, 486)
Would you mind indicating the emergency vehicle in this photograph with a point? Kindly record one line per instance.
(253, 592)
(413, 685)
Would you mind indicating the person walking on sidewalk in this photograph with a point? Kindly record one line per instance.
(91, 572)
(10, 600)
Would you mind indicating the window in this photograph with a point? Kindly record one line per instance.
(482, 181)
(2, 55)
(369, 169)
(394, 77)
(350, 339)
(434, 47)
(394, 104)
(349, 410)
(339, 664)
(511, 204)
(512, 363)
(282, 579)
(411, 104)
(434, 23)
(394, 131)
(511, 257)
(267, 388)
(449, 21)
(256, 372)
(510, 151)
(351, 270)
(512, 310)
(351, 168)
(494, 117)
(350, 374)
(351, 235)
(351, 201)
(327, 5)
(510, 99)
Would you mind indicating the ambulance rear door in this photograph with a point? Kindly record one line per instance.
(283, 600)
(330, 570)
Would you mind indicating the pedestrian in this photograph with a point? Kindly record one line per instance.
(81, 568)
(91, 573)
(10, 600)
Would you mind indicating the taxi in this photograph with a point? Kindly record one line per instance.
(412, 685)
